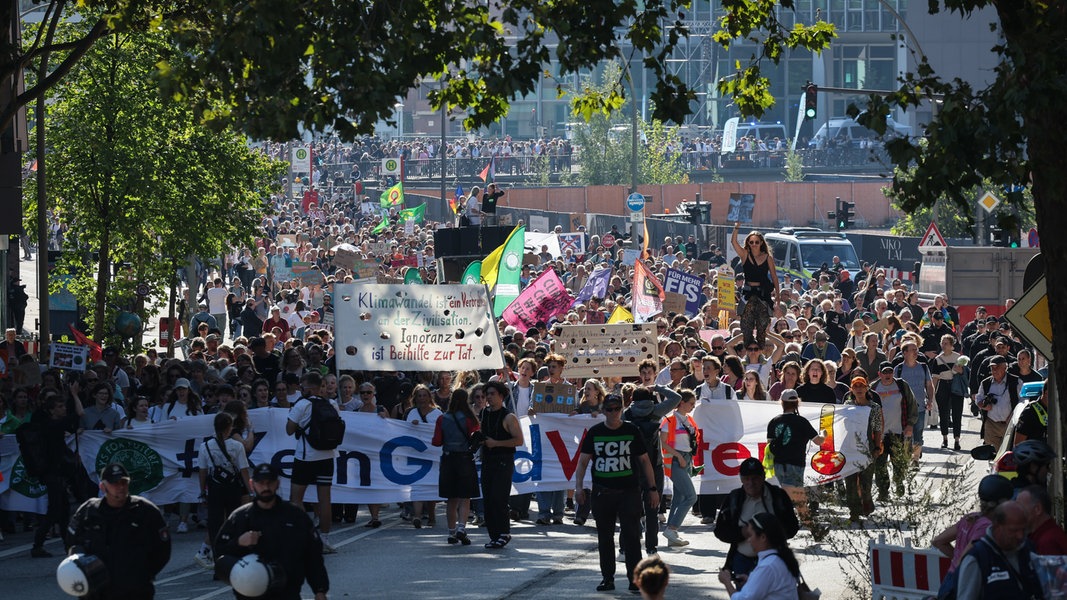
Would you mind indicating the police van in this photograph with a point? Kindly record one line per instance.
(800, 251)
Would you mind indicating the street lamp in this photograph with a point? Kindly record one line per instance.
(399, 114)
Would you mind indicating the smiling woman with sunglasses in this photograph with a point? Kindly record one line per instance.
(776, 573)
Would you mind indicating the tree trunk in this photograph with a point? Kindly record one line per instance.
(103, 279)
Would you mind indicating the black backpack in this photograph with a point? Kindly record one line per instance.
(649, 427)
(32, 446)
(326, 429)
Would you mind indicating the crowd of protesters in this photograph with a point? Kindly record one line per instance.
(258, 333)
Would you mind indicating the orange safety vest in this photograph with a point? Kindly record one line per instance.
(672, 425)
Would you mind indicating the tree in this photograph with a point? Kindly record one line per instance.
(139, 181)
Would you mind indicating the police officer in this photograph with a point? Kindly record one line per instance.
(280, 533)
(127, 533)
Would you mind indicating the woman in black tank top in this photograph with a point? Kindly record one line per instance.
(761, 285)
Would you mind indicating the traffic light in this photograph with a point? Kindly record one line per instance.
(845, 212)
(811, 100)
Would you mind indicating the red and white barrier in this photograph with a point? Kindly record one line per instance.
(905, 572)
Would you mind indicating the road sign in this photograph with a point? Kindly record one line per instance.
(1030, 318)
(390, 166)
(635, 202)
(637, 216)
(1032, 240)
(932, 239)
(607, 241)
(989, 202)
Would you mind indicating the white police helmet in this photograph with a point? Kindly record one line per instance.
(81, 574)
(252, 578)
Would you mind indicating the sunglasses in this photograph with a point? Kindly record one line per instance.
(614, 409)
(718, 347)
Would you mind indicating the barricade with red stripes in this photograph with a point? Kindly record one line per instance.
(905, 572)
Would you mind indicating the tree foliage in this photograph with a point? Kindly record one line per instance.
(138, 181)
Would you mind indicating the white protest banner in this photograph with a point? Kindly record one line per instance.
(610, 350)
(734, 431)
(387, 460)
(415, 328)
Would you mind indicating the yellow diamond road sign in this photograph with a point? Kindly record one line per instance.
(1030, 318)
(989, 202)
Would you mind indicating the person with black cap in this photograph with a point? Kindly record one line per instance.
(278, 532)
(126, 532)
(618, 454)
(753, 497)
(997, 396)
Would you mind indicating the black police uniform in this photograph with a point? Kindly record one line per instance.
(132, 541)
(288, 539)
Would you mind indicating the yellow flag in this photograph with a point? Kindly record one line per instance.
(620, 315)
(491, 263)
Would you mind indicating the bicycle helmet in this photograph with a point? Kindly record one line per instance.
(1033, 451)
(995, 488)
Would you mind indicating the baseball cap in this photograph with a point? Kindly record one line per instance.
(790, 396)
(885, 366)
(181, 383)
(613, 400)
(114, 473)
(820, 336)
(265, 472)
(998, 360)
(859, 381)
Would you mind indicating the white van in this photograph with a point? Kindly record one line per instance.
(849, 133)
(799, 251)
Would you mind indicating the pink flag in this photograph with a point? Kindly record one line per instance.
(545, 298)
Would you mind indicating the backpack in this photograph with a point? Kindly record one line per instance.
(32, 446)
(326, 429)
(649, 427)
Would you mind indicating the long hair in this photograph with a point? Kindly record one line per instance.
(460, 403)
(770, 526)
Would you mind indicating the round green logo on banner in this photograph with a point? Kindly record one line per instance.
(144, 464)
(22, 483)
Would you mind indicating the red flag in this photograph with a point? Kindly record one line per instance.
(488, 174)
(95, 352)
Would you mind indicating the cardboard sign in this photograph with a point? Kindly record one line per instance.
(610, 350)
(673, 302)
(741, 207)
(554, 398)
(363, 269)
(345, 258)
(68, 356)
(727, 289)
(701, 267)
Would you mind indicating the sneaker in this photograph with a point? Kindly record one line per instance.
(606, 585)
(542, 521)
(557, 521)
(956, 446)
(579, 522)
(327, 547)
(479, 521)
(39, 552)
(417, 523)
(373, 524)
(452, 539)
(461, 535)
(495, 545)
(204, 559)
(661, 517)
(183, 527)
(707, 520)
(677, 541)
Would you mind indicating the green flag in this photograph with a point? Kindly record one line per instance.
(411, 276)
(417, 214)
(509, 269)
(473, 274)
(393, 196)
(381, 226)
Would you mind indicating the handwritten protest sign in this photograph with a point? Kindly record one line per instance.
(545, 298)
(727, 289)
(554, 398)
(673, 302)
(415, 328)
(606, 350)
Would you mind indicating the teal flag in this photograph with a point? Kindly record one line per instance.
(411, 276)
(473, 274)
(509, 270)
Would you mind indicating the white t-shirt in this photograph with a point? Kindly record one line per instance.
(300, 414)
(216, 300)
(431, 418)
(235, 449)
